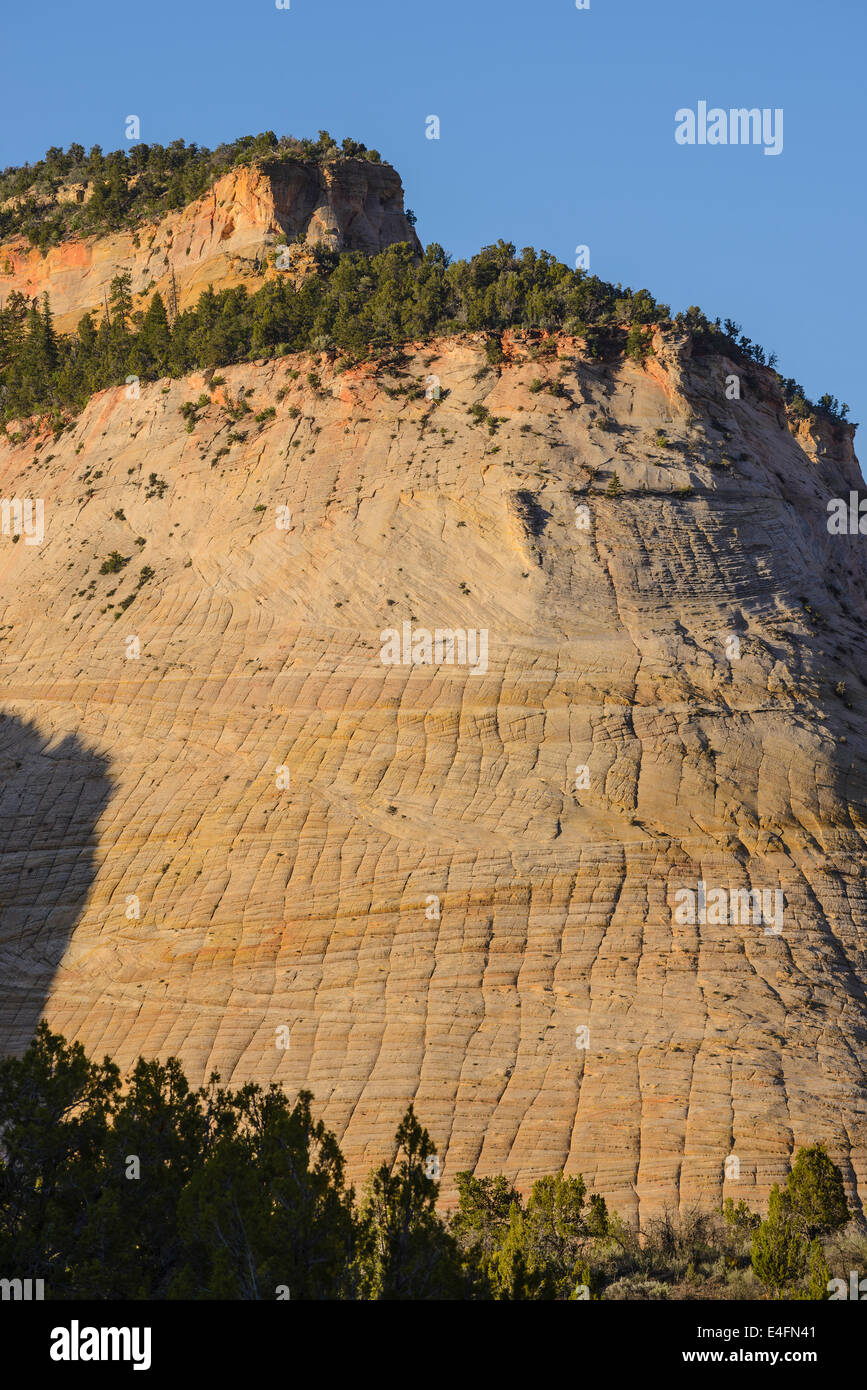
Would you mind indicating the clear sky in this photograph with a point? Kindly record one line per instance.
(556, 130)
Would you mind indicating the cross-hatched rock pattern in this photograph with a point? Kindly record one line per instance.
(454, 886)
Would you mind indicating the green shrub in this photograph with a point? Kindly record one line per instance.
(740, 1219)
(494, 351)
(814, 1193)
(638, 342)
(114, 563)
(778, 1253)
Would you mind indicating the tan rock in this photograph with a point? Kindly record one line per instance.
(151, 783)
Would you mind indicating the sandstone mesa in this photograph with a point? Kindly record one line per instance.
(165, 889)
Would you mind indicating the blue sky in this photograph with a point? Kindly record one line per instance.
(557, 129)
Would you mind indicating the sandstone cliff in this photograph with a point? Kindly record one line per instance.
(226, 238)
(252, 823)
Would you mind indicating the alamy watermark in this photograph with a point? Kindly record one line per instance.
(847, 518)
(444, 646)
(77, 1343)
(737, 126)
(22, 1290)
(23, 517)
(857, 1288)
(739, 906)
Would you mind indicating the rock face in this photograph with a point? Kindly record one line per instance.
(224, 239)
(224, 814)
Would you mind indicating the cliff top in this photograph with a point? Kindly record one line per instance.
(77, 192)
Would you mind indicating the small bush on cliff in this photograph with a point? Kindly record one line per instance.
(638, 342)
(494, 351)
(114, 564)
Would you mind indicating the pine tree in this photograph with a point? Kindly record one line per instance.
(120, 303)
(49, 337)
(154, 339)
(408, 1254)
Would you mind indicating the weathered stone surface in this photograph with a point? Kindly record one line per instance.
(305, 906)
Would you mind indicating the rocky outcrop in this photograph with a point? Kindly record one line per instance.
(228, 237)
(224, 815)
